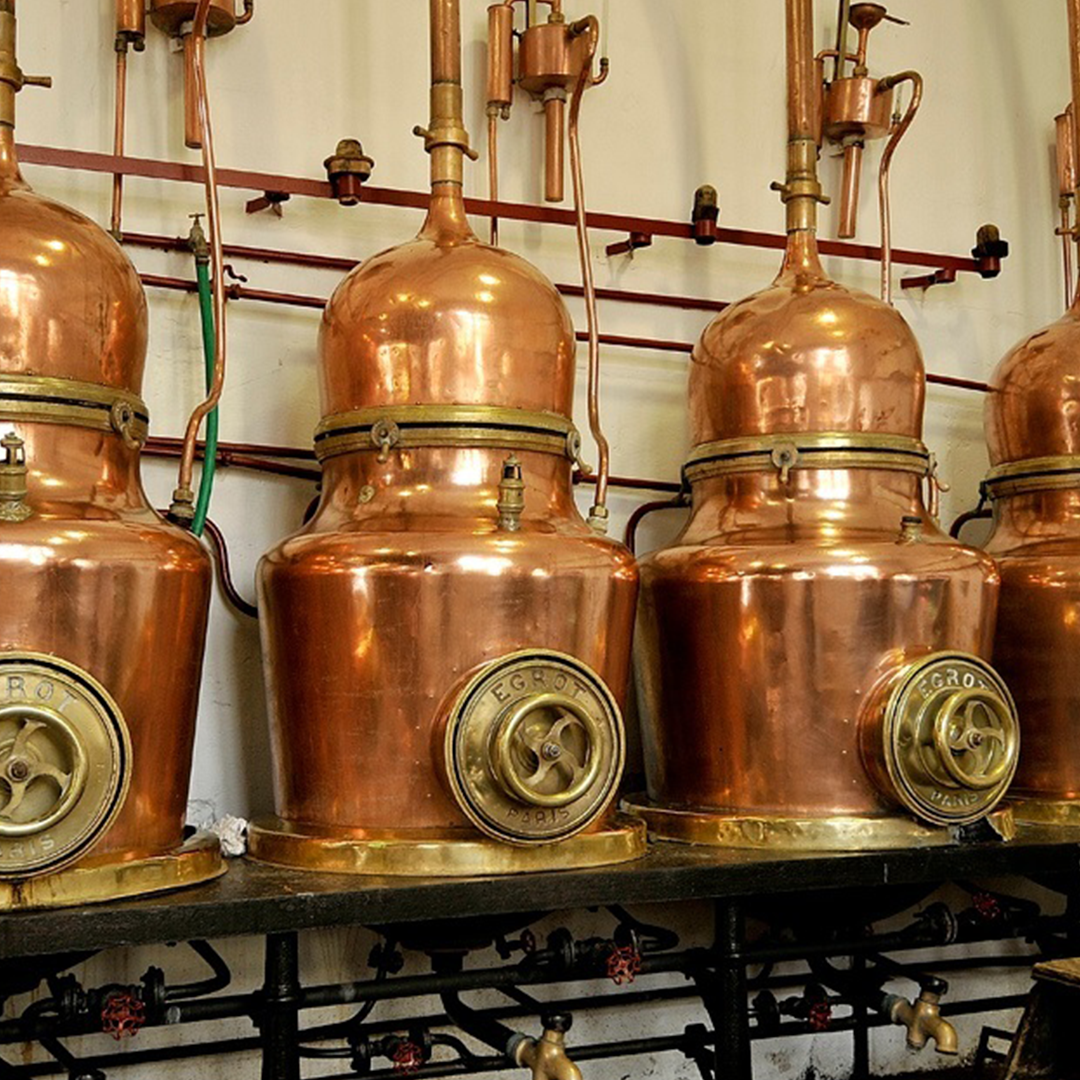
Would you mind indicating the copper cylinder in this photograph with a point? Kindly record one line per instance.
(500, 84)
(849, 190)
(171, 16)
(797, 589)
(192, 123)
(131, 20)
(431, 559)
(858, 108)
(1066, 153)
(96, 578)
(555, 147)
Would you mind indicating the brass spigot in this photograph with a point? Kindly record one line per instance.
(923, 1021)
(511, 502)
(13, 488)
(347, 168)
(546, 1056)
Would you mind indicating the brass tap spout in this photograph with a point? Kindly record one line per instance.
(546, 1056)
(923, 1021)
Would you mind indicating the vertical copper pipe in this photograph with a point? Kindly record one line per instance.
(884, 206)
(192, 121)
(800, 69)
(118, 135)
(555, 154)
(1067, 241)
(599, 513)
(849, 198)
(131, 19)
(500, 83)
(493, 168)
(1066, 170)
(183, 498)
(1073, 7)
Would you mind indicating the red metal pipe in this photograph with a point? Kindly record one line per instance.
(319, 189)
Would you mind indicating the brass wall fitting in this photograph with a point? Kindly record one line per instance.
(923, 1021)
(941, 737)
(532, 747)
(705, 215)
(347, 168)
(65, 763)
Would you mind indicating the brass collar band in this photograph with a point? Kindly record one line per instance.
(785, 453)
(37, 398)
(413, 426)
(1031, 475)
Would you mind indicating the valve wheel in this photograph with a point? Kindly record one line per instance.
(975, 754)
(545, 750)
(44, 748)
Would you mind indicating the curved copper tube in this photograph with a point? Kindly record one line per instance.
(183, 497)
(980, 513)
(884, 207)
(249, 12)
(220, 548)
(590, 26)
(641, 512)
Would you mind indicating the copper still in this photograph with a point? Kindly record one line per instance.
(811, 650)
(98, 688)
(1033, 433)
(447, 642)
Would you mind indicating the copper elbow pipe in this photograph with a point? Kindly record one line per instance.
(599, 513)
(884, 206)
(183, 497)
(849, 198)
(249, 12)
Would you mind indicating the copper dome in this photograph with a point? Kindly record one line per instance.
(71, 304)
(806, 355)
(1033, 408)
(447, 320)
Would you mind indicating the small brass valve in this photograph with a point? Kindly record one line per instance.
(13, 480)
(511, 502)
(347, 168)
(923, 1021)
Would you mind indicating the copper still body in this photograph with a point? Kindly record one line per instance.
(812, 649)
(447, 641)
(1033, 434)
(98, 690)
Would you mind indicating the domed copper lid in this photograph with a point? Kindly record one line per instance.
(1033, 408)
(806, 355)
(447, 320)
(71, 304)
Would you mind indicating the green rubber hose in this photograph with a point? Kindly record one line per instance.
(206, 478)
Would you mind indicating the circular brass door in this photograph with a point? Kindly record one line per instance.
(534, 747)
(947, 738)
(65, 759)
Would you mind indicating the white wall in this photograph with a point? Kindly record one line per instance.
(695, 96)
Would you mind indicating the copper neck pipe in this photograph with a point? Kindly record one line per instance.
(8, 65)
(802, 191)
(183, 497)
(446, 138)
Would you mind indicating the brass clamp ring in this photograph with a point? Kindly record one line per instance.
(43, 399)
(1032, 475)
(809, 450)
(409, 427)
(524, 759)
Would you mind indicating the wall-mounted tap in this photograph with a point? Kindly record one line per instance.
(546, 1056)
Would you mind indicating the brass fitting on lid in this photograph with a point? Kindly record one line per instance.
(13, 480)
(511, 502)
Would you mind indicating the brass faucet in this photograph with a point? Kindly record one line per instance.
(547, 1056)
(923, 1021)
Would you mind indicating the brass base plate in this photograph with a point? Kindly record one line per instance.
(457, 853)
(1064, 812)
(93, 882)
(763, 832)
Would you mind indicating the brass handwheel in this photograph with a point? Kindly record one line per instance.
(42, 773)
(545, 750)
(973, 738)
